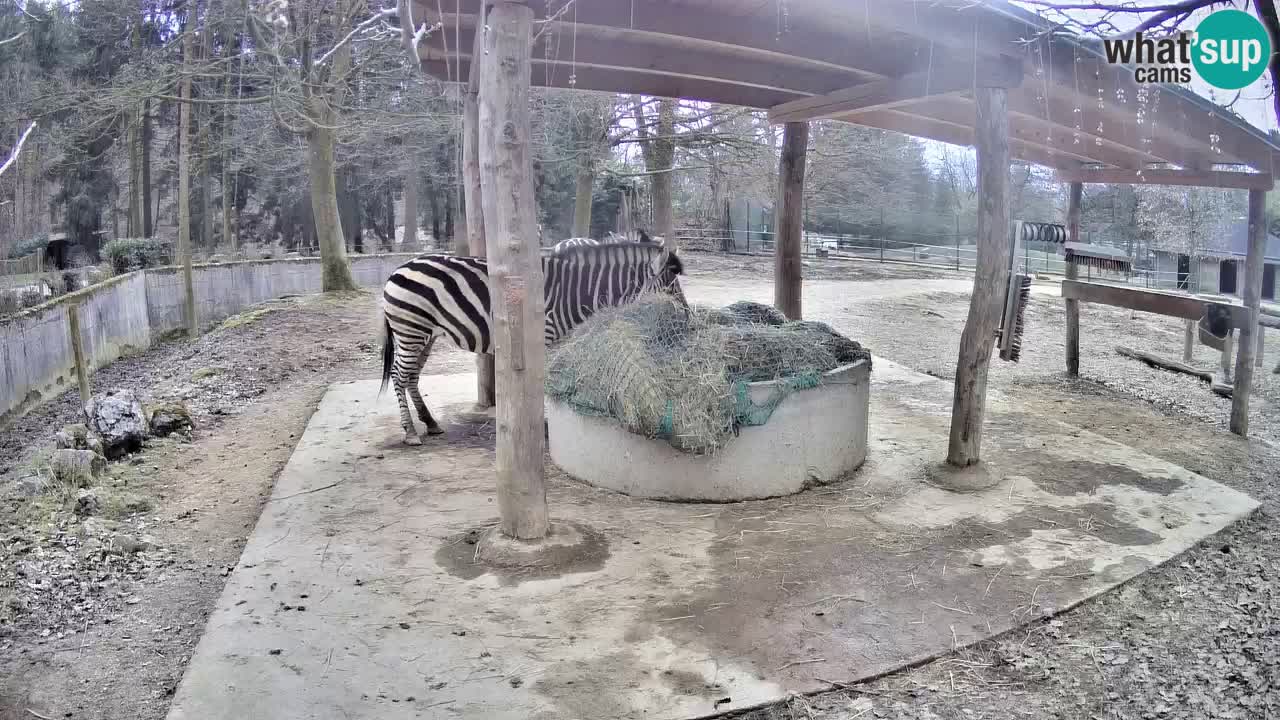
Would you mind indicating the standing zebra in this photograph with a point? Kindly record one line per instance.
(434, 295)
(572, 243)
(611, 239)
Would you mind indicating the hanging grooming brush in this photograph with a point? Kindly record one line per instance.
(1097, 257)
(1017, 294)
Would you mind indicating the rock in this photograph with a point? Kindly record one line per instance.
(72, 437)
(78, 437)
(31, 486)
(130, 504)
(88, 503)
(128, 545)
(205, 372)
(77, 468)
(119, 419)
(170, 417)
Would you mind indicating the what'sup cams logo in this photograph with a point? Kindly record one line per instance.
(1230, 49)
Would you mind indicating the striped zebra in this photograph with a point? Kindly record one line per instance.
(434, 295)
(572, 243)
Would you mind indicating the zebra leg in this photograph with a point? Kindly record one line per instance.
(433, 428)
(404, 374)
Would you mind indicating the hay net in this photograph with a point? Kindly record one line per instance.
(666, 372)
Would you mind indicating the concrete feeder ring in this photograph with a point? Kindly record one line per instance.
(815, 436)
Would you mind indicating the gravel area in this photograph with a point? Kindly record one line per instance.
(88, 632)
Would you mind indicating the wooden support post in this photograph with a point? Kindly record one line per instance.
(1252, 297)
(991, 140)
(184, 192)
(1189, 341)
(1259, 359)
(1074, 199)
(515, 268)
(474, 201)
(789, 226)
(1227, 347)
(77, 352)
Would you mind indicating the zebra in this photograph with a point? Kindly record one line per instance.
(572, 243)
(434, 295)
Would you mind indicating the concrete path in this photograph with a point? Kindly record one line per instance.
(360, 594)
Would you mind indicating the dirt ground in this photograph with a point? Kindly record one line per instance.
(88, 630)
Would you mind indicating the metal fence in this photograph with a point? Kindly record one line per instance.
(21, 273)
(953, 252)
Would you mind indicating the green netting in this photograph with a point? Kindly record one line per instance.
(666, 372)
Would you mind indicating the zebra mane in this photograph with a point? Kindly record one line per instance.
(651, 250)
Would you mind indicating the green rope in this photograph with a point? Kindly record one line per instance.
(750, 414)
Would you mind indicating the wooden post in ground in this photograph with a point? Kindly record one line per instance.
(1074, 199)
(184, 188)
(475, 198)
(1252, 297)
(1189, 341)
(77, 352)
(515, 268)
(788, 226)
(1259, 359)
(991, 140)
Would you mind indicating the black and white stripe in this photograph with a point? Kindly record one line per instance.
(434, 295)
(573, 243)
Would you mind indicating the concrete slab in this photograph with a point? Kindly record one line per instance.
(359, 595)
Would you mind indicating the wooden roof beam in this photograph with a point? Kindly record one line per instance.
(1161, 176)
(958, 134)
(1051, 139)
(691, 26)
(607, 79)
(626, 54)
(944, 79)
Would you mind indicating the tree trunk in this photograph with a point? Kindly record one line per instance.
(659, 152)
(582, 196)
(184, 187)
(476, 242)
(411, 204)
(991, 140)
(515, 269)
(133, 221)
(448, 216)
(1074, 199)
(148, 228)
(1252, 297)
(788, 224)
(435, 210)
(336, 272)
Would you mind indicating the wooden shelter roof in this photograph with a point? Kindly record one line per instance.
(903, 65)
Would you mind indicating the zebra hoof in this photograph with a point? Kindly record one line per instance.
(411, 439)
(435, 430)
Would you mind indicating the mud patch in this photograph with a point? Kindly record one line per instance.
(1096, 519)
(569, 549)
(1082, 477)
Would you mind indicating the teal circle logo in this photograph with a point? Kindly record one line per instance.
(1232, 49)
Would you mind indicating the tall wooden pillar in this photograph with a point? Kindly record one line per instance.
(1074, 200)
(1252, 297)
(515, 268)
(991, 140)
(475, 198)
(788, 224)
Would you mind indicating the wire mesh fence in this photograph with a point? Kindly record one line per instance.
(956, 251)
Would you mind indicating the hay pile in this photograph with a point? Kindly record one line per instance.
(667, 373)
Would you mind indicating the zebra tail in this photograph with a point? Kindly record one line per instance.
(388, 354)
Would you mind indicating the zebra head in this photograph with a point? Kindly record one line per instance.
(667, 269)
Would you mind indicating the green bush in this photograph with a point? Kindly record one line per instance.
(23, 248)
(129, 254)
